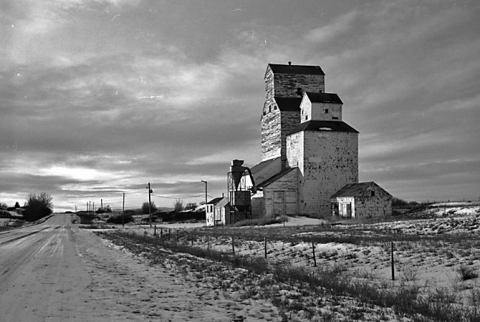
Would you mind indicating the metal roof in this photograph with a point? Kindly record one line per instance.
(296, 69)
(275, 177)
(352, 190)
(324, 126)
(332, 98)
(356, 189)
(260, 166)
(215, 201)
(289, 104)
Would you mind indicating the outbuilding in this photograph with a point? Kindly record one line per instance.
(361, 200)
(217, 212)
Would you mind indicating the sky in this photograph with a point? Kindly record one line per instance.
(100, 97)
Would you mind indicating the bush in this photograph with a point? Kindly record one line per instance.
(397, 202)
(178, 205)
(467, 273)
(5, 214)
(146, 210)
(38, 206)
(117, 218)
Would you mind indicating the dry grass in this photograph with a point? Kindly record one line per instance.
(440, 303)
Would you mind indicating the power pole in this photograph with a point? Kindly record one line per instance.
(206, 189)
(123, 211)
(150, 203)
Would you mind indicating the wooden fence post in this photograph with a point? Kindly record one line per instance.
(233, 245)
(265, 240)
(393, 268)
(314, 258)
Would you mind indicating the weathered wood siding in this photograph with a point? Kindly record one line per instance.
(327, 161)
(288, 85)
(271, 128)
(379, 205)
(281, 196)
(319, 111)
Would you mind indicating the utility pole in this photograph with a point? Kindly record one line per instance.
(150, 203)
(123, 211)
(206, 184)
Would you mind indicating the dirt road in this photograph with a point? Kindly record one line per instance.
(56, 272)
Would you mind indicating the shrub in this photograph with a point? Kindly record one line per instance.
(146, 210)
(178, 205)
(117, 218)
(467, 273)
(38, 206)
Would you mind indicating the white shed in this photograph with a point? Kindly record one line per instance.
(217, 212)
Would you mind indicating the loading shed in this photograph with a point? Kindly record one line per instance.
(361, 200)
(217, 212)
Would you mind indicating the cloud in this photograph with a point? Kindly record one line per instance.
(172, 96)
(330, 32)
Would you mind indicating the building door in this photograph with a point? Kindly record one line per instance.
(291, 203)
(349, 210)
(278, 203)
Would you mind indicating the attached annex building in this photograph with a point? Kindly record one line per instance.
(308, 152)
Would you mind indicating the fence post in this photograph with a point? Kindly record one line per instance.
(155, 230)
(393, 269)
(314, 258)
(233, 245)
(265, 240)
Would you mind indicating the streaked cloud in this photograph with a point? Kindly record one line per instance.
(100, 96)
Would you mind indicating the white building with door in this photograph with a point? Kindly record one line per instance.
(217, 212)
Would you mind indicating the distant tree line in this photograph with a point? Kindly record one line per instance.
(399, 203)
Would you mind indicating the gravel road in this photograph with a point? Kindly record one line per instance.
(56, 272)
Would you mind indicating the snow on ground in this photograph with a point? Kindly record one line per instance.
(244, 292)
(132, 289)
(428, 261)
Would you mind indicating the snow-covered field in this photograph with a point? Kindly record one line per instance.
(432, 253)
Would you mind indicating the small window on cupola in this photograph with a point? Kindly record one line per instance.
(326, 111)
